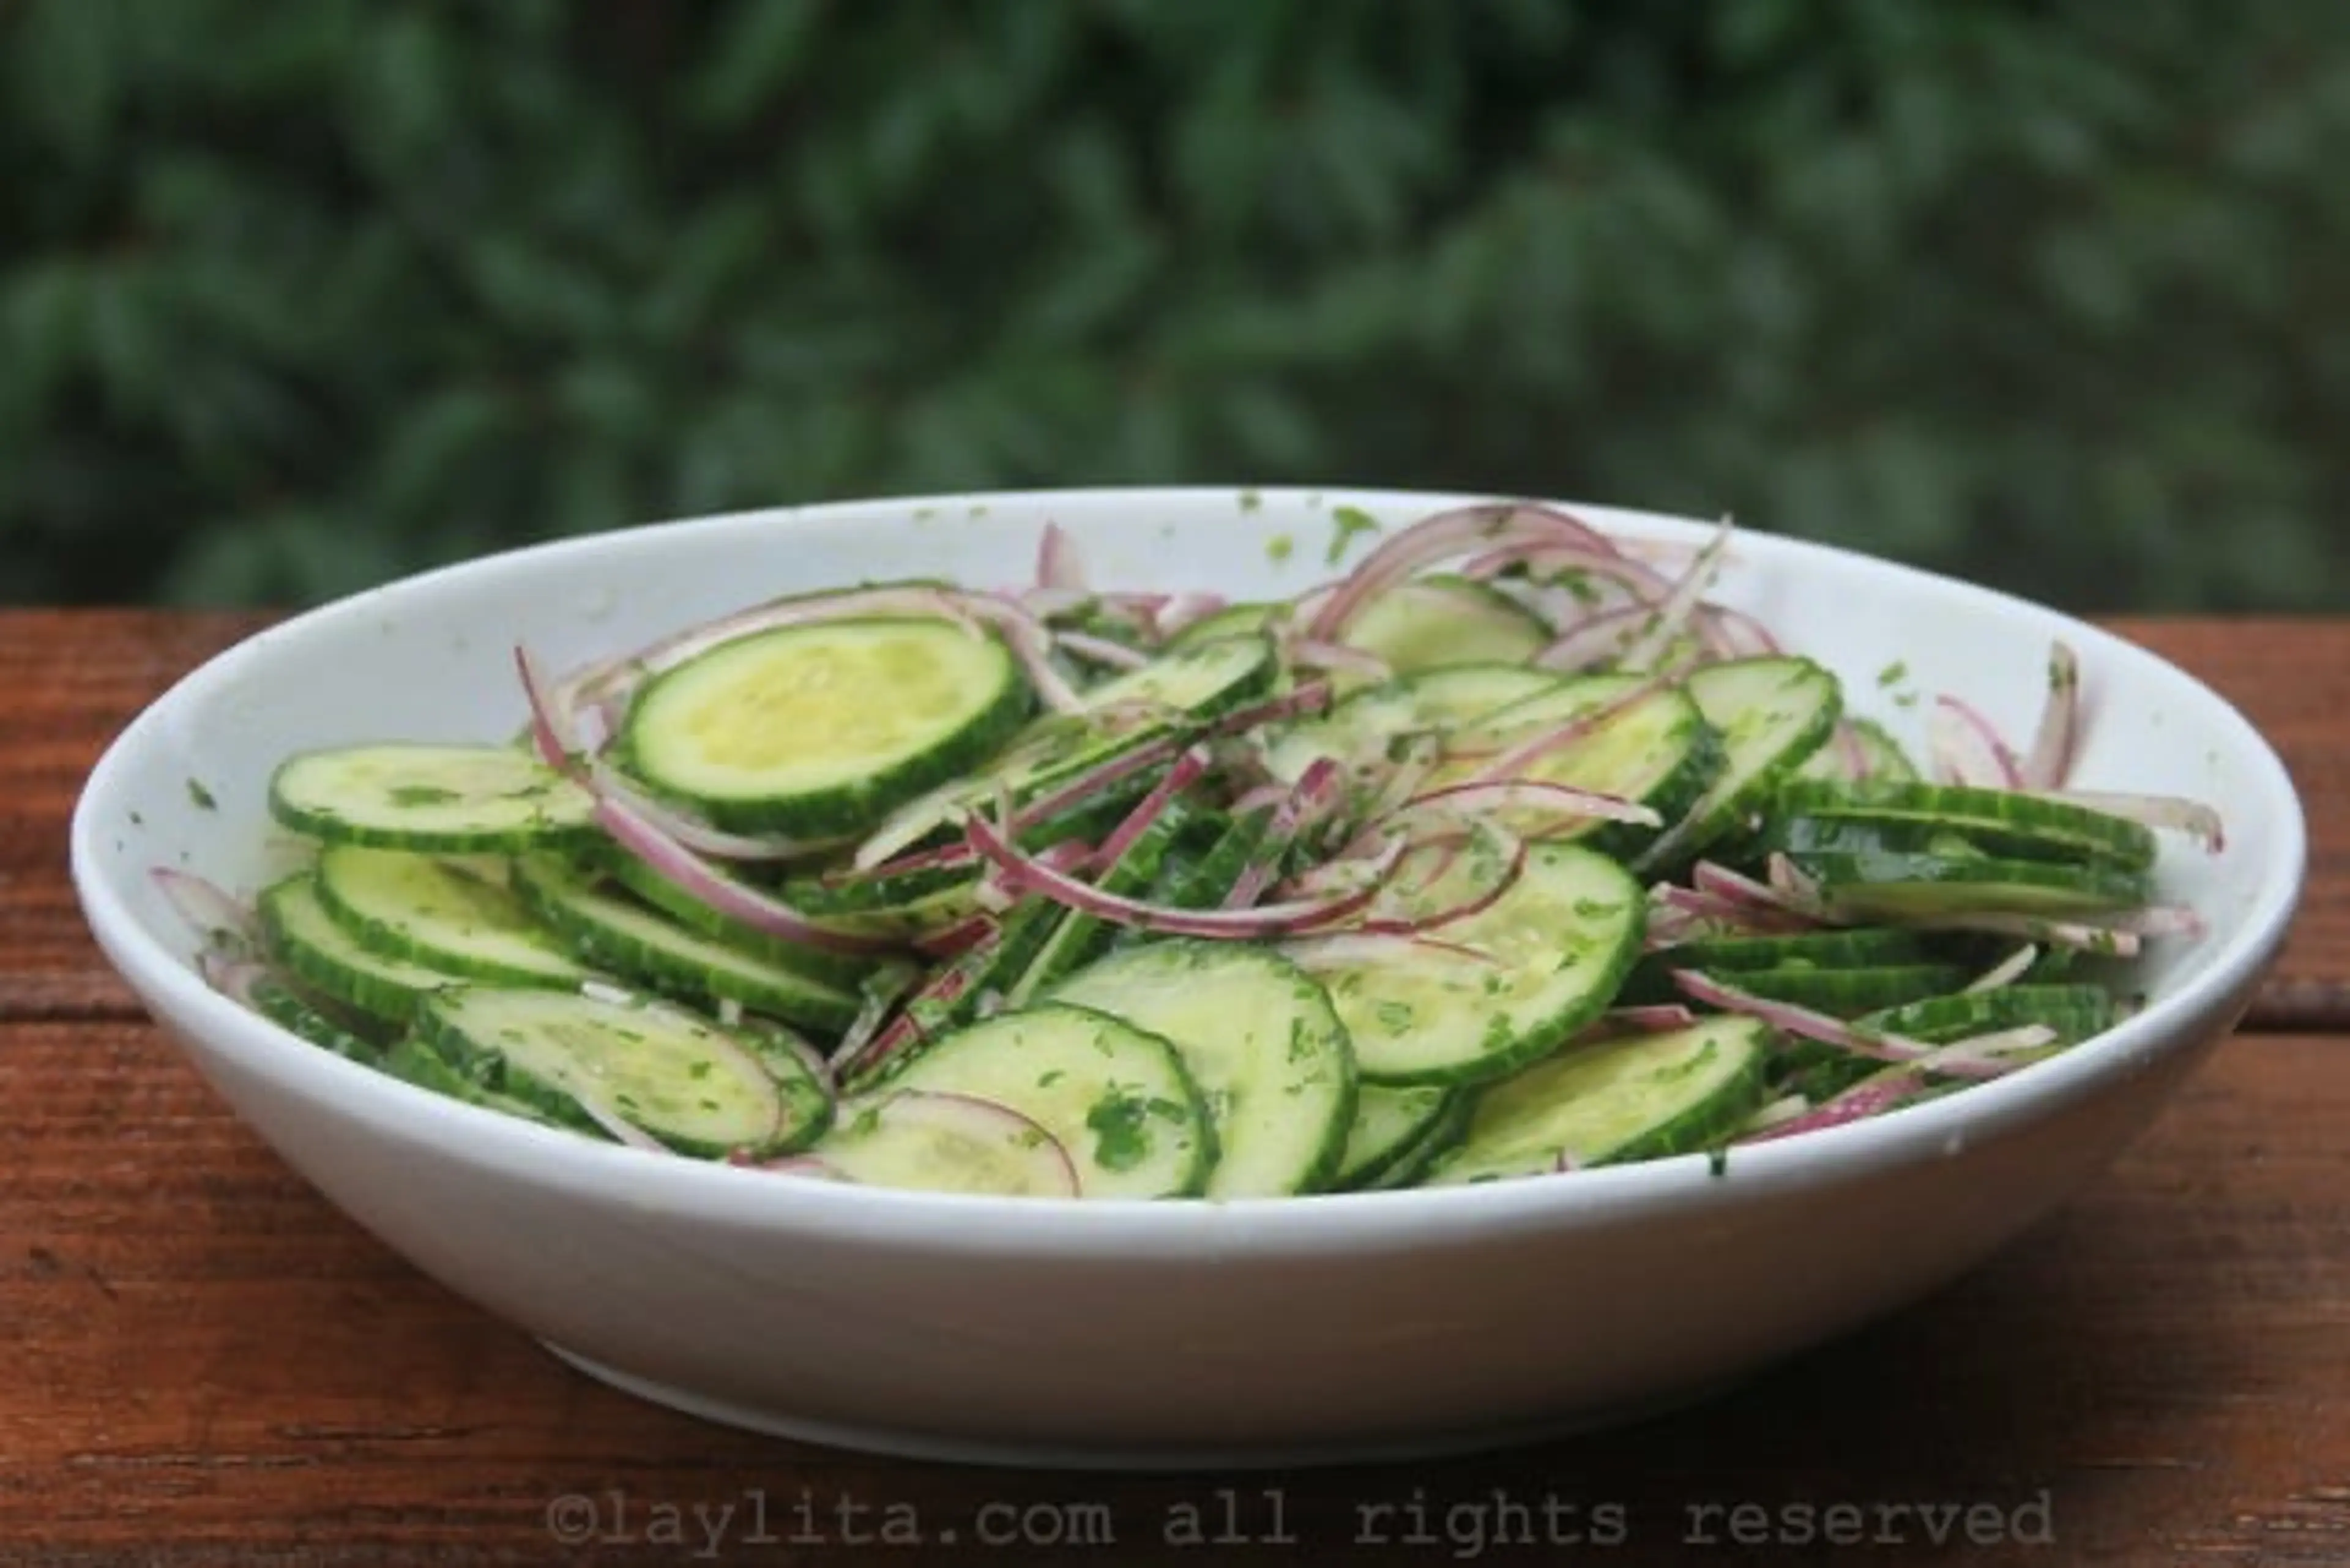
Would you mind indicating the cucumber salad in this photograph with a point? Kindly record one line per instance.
(1506, 854)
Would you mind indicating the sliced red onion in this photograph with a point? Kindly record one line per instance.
(1101, 651)
(233, 976)
(1801, 1022)
(1785, 1109)
(2050, 761)
(1182, 610)
(1730, 886)
(207, 908)
(1797, 888)
(1872, 1097)
(686, 871)
(1059, 563)
(1265, 920)
(905, 1032)
(1040, 1166)
(954, 941)
(554, 726)
(1542, 560)
(1673, 615)
(1535, 795)
(2008, 971)
(1851, 754)
(1300, 806)
(1595, 641)
(1737, 635)
(693, 832)
(1306, 653)
(1515, 762)
(2188, 817)
(1966, 747)
(1513, 866)
(1491, 527)
(1991, 1056)
(1151, 807)
(879, 997)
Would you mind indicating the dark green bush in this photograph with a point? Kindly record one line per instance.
(298, 295)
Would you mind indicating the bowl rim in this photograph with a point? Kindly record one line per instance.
(208, 1024)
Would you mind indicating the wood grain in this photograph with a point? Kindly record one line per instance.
(215, 1368)
(227, 1370)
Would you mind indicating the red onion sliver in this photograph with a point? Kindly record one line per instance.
(1872, 1097)
(1967, 749)
(1674, 614)
(1535, 794)
(2050, 761)
(207, 906)
(1059, 563)
(686, 871)
(2188, 817)
(554, 726)
(1044, 1169)
(2008, 971)
(1102, 651)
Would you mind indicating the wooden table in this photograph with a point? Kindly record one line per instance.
(212, 1367)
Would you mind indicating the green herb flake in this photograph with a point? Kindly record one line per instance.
(1894, 673)
(1280, 547)
(408, 796)
(1394, 1016)
(1251, 501)
(1121, 1140)
(201, 796)
(1717, 1162)
(1347, 523)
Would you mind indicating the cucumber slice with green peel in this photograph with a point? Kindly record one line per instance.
(1077, 939)
(680, 1079)
(1433, 622)
(947, 1143)
(797, 1069)
(1412, 1164)
(1262, 1043)
(2077, 1013)
(1547, 956)
(1658, 751)
(1389, 1125)
(1370, 718)
(1116, 1099)
(1923, 886)
(1883, 758)
(1999, 822)
(1642, 1096)
(820, 729)
(319, 953)
(412, 1061)
(453, 799)
(1858, 946)
(409, 906)
(1771, 714)
(622, 937)
(1232, 620)
(285, 1005)
(840, 969)
(1849, 993)
(1203, 679)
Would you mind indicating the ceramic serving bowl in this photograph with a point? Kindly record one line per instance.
(1288, 1330)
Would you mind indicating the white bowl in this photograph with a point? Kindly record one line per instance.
(1292, 1330)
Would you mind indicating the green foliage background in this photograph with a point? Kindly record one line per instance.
(297, 295)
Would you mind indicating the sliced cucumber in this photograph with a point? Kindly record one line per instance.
(679, 1078)
(1771, 714)
(1201, 679)
(1640, 1097)
(413, 1061)
(285, 1005)
(1999, 822)
(1232, 620)
(321, 953)
(452, 918)
(1389, 1125)
(643, 882)
(617, 934)
(1116, 1099)
(1077, 939)
(1920, 886)
(2076, 1012)
(1849, 993)
(1858, 947)
(1260, 1040)
(1660, 752)
(818, 730)
(1430, 623)
(1553, 952)
(451, 799)
(1882, 758)
(947, 1143)
(1367, 719)
(1203, 883)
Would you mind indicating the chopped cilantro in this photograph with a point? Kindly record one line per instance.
(201, 795)
(1346, 524)
(423, 794)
